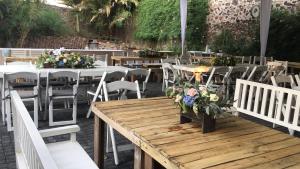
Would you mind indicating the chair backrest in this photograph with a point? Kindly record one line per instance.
(239, 59)
(220, 71)
(18, 53)
(100, 60)
(142, 75)
(247, 59)
(115, 76)
(22, 78)
(171, 60)
(66, 75)
(268, 102)
(36, 52)
(283, 81)
(28, 142)
(239, 72)
(169, 70)
(257, 73)
(121, 86)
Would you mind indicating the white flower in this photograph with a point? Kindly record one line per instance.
(57, 58)
(65, 60)
(178, 98)
(195, 108)
(76, 63)
(213, 97)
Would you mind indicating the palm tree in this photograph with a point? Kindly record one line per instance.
(110, 12)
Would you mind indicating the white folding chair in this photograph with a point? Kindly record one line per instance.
(142, 76)
(284, 81)
(106, 77)
(66, 92)
(100, 60)
(27, 86)
(124, 87)
(170, 75)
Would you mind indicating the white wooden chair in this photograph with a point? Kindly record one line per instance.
(106, 77)
(33, 153)
(36, 52)
(124, 87)
(247, 60)
(18, 53)
(101, 60)
(170, 75)
(257, 73)
(277, 105)
(67, 92)
(27, 85)
(142, 76)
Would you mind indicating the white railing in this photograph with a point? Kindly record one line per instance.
(277, 105)
(31, 151)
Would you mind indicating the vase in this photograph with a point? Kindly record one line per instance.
(207, 122)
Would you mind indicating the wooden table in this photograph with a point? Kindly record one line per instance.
(121, 60)
(153, 126)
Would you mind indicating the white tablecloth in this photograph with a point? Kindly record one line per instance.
(98, 71)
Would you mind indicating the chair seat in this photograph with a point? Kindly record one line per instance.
(70, 155)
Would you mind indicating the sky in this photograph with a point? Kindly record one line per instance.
(55, 3)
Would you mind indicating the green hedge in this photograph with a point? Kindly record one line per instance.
(159, 20)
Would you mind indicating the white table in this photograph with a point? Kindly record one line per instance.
(97, 71)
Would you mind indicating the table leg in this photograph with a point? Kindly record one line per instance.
(99, 142)
(148, 161)
(138, 157)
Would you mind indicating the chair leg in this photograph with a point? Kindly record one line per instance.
(163, 85)
(50, 112)
(108, 140)
(114, 146)
(8, 115)
(36, 112)
(291, 131)
(74, 109)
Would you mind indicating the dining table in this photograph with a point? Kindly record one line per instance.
(161, 141)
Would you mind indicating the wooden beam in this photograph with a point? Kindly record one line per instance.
(99, 142)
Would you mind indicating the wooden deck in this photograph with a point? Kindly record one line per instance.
(153, 125)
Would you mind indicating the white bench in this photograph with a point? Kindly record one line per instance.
(278, 105)
(33, 153)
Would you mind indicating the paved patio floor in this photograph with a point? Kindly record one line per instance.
(84, 137)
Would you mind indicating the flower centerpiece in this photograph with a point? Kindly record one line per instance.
(63, 59)
(199, 104)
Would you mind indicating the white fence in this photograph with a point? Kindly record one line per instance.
(277, 105)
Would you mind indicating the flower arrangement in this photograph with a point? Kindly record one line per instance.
(199, 100)
(62, 59)
(218, 61)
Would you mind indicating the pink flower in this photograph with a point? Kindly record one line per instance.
(192, 92)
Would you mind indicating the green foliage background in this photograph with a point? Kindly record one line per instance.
(20, 19)
(158, 20)
(283, 41)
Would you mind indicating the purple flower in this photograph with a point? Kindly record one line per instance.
(61, 63)
(189, 100)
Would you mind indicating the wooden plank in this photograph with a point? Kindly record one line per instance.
(260, 159)
(99, 142)
(148, 161)
(287, 161)
(217, 158)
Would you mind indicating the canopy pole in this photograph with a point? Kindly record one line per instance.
(183, 18)
(265, 15)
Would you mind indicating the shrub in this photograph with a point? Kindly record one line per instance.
(49, 23)
(160, 21)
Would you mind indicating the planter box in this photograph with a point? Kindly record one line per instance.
(207, 122)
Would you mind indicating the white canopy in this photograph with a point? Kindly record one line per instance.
(265, 13)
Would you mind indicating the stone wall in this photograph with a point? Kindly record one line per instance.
(236, 14)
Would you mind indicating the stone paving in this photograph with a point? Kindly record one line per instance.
(84, 137)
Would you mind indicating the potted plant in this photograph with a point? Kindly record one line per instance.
(199, 103)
